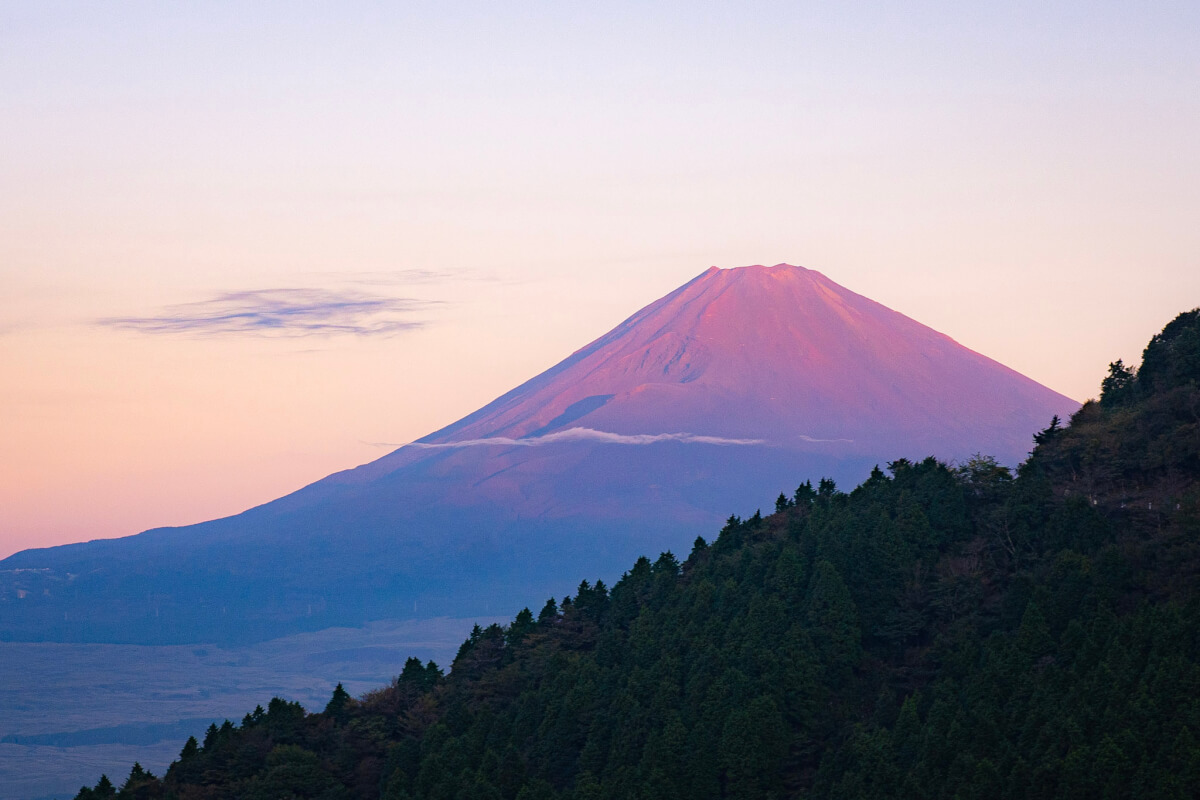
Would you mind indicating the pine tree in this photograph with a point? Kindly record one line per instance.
(1033, 637)
(833, 619)
(190, 749)
(805, 495)
(1118, 387)
(521, 626)
(433, 674)
(104, 789)
(336, 707)
(210, 736)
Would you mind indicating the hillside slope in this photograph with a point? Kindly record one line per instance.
(937, 632)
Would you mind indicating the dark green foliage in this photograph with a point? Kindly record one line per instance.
(140, 785)
(935, 633)
(1050, 433)
(833, 621)
(549, 612)
(191, 747)
(1170, 361)
(522, 626)
(336, 708)
(1172, 358)
(1119, 387)
(103, 789)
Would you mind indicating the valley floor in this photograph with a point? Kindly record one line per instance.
(69, 712)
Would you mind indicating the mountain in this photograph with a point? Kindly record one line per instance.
(780, 353)
(943, 633)
(711, 400)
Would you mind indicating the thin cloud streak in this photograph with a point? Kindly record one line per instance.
(416, 276)
(395, 277)
(283, 313)
(592, 435)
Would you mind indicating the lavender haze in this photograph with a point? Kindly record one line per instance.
(739, 384)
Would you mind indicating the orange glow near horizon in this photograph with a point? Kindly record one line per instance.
(454, 200)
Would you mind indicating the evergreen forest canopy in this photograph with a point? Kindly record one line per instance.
(939, 632)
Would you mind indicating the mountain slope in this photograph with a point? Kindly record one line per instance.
(781, 352)
(936, 633)
(710, 399)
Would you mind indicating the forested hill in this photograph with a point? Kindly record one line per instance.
(938, 632)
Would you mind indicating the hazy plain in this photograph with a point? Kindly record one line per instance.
(69, 712)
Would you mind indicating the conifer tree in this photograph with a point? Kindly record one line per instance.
(1118, 387)
(190, 749)
(521, 626)
(805, 495)
(549, 612)
(336, 707)
(833, 619)
(210, 736)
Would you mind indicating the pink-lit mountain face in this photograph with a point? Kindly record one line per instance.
(783, 356)
(781, 353)
(739, 384)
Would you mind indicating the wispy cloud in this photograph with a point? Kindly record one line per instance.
(416, 276)
(283, 313)
(578, 435)
(395, 277)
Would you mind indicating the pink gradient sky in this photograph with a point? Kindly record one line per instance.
(1023, 179)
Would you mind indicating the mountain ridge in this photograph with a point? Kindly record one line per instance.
(938, 632)
(775, 371)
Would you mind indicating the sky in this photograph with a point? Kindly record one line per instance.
(243, 244)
